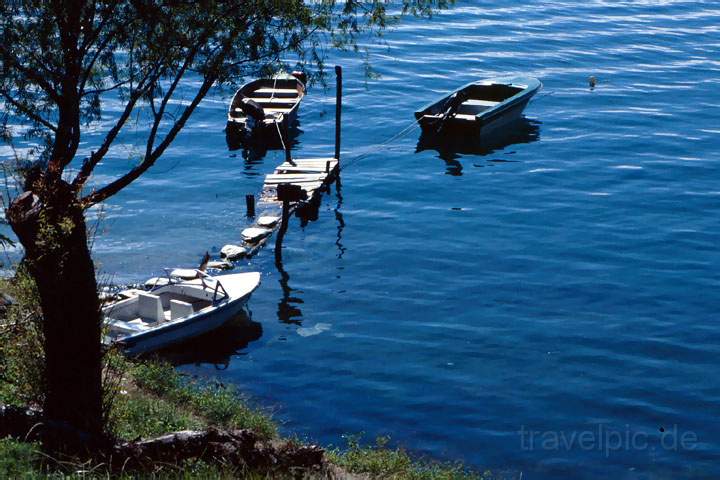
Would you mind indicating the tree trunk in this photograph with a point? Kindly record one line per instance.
(52, 230)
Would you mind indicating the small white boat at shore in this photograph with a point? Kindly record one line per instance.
(176, 309)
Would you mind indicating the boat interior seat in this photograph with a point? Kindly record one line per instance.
(126, 328)
(275, 101)
(276, 92)
(474, 106)
(476, 101)
(180, 309)
(150, 307)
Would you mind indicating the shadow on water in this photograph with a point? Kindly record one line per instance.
(216, 347)
(288, 310)
(451, 147)
(236, 140)
(254, 149)
(340, 219)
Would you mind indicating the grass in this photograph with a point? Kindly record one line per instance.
(216, 404)
(380, 462)
(21, 460)
(152, 399)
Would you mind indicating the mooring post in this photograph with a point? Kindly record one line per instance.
(286, 143)
(286, 193)
(338, 109)
(250, 202)
(281, 231)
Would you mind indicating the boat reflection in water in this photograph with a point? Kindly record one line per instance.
(254, 150)
(237, 140)
(216, 347)
(452, 146)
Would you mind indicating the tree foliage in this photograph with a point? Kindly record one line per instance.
(59, 58)
(60, 61)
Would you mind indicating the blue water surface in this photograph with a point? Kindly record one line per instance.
(546, 306)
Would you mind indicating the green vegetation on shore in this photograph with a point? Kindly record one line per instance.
(150, 399)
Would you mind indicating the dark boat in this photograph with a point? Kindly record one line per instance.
(479, 106)
(263, 110)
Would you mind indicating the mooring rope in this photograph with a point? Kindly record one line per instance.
(375, 148)
(277, 127)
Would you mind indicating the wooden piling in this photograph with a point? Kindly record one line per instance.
(338, 108)
(296, 184)
(250, 202)
(286, 144)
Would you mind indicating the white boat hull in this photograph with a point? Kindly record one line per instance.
(154, 337)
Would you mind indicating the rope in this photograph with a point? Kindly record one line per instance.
(376, 148)
(398, 136)
(277, 127)
(275, 119)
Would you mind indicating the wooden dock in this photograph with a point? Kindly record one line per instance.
(294, 184)
(309, 176)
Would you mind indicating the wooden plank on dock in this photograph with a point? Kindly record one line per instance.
(281, 170)
(310, 161)
(274, 179)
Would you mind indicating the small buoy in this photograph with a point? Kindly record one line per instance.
(233, 252)
(254, 234)
(220, 265)
(267, 221)
(592, 81)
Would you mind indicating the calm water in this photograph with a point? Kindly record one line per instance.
(562, 281)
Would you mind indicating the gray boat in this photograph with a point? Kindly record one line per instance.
(263, 110)
(479, 106)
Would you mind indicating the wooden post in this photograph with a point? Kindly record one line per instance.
(338, 109)
(250, 202)
(286, 134)
(281, 232)
(286, 193)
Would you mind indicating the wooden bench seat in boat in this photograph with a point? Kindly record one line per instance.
(277, 100)
(474, 106)
(277, 92)
(459, 116)
(482, 103)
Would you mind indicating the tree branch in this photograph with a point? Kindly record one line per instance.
(27, 111)
(90, 163)
(32, 75)
(103, 90)
(166, 98)
(122, 182)
(112, 188)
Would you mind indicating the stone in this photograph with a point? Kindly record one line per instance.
(233, 252)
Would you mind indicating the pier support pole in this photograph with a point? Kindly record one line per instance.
(281, 232)
(286, 193)
(250, 203)
(286, 143)
(338, 109)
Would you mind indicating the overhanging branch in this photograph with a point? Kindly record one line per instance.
(27, 111)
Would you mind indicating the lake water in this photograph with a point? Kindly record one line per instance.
(546, 305)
